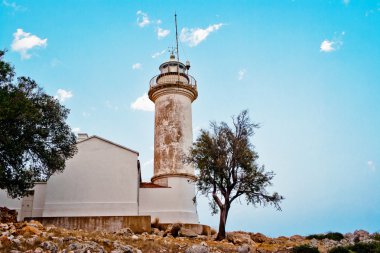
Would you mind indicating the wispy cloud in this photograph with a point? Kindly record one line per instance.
(194, 36)
(111, 106)
(371, 165)
(328, 46)
(157, 54)
(55, 62)
(136, 66)
(346, 2)
(241, 74)
(62, 95)
(23, 42)
(143, 103)
(162, 33)
(13, 5)
(148, 163)
(142, 19)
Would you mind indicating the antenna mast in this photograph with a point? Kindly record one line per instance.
(176, 34)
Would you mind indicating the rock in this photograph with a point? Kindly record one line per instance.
(258, 237)
(244, 249)
(49, 246)
(38, 250)
(135, 237)
(85, 247)
(36, 224)
(5, 241)
(361, 235)
(297, 238)
(239, 238)
(197, 249)
(8, 215)
(121, 248)
(125, 232)
(173, 229)
(156, 231)
(30, 229)
(185, 232)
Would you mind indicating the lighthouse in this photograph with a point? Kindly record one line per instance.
(172, 91)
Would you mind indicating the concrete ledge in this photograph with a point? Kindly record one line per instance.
(138, 224)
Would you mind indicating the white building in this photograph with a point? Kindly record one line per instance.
(103, 178)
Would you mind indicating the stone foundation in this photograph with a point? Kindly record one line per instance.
(138, 224)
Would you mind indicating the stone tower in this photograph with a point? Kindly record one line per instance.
(172, 92)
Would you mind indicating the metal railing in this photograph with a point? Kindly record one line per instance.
(173, 78)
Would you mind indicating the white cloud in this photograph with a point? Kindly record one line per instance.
(346, 2)
(142, 19)
(23, 42)
(111, 106)
(327, 46)
(194, 36)
(143, 103)
(371, 165)
(157, 54)
(76, 130)
(334, 44)
(162, 33)
(62, 95)
(241, 74)
(13, 5)
(136, 66)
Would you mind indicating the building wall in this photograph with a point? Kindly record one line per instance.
(100, 180)
(173, 134)
(170, 205)
(14, 204)
(38, 201)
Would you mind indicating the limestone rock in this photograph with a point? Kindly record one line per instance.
(30, 229)
(185, 232)
(49, 246)
(239, 238)
(244, 249)
(197, 249)
(125, 232)
(258, 237)
(173, 229)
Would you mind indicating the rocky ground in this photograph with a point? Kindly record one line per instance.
(32, 237)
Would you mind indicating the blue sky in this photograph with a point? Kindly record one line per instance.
(307, 71)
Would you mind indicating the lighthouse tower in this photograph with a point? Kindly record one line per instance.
(173, 92)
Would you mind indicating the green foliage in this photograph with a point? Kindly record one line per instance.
(339, 249)
(331, 235)
(35, 141)
(305, 249)
(372, 247)
(226, 164)
(376, 236)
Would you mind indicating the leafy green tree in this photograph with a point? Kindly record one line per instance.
(35, 141)
(227, 170)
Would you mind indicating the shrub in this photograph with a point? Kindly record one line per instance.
(372, 247)
(376, 236)
(331, 235)
(305, 249)
(339, 249)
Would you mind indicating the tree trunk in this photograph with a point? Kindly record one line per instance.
(222, 224)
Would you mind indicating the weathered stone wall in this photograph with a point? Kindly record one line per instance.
(173, 134)
(138, 224)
